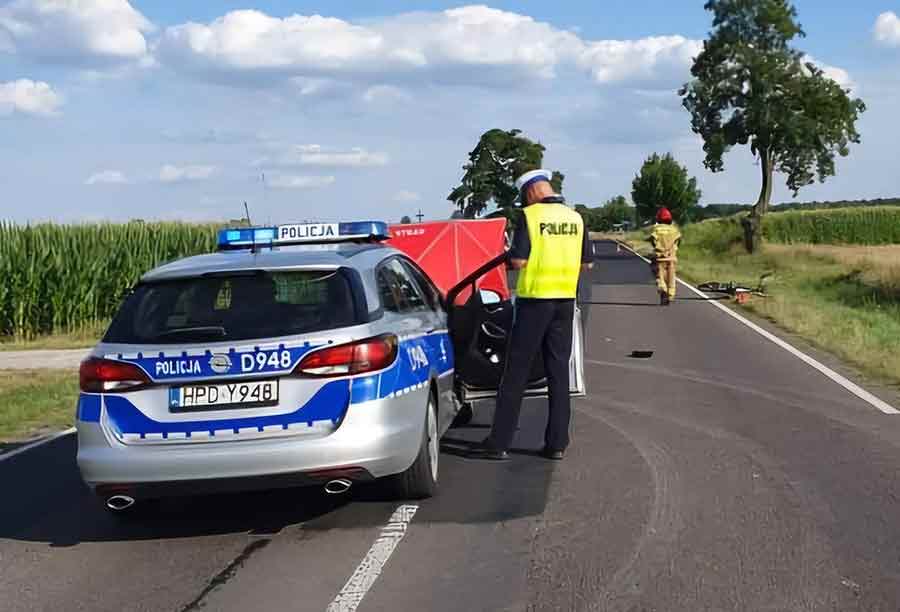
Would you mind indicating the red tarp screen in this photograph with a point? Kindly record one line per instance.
(451, 250)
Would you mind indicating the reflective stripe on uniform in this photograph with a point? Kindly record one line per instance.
(556, 235)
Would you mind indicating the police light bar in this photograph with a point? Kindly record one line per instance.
(302, 233)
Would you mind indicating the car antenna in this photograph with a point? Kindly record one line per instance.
(249, 224)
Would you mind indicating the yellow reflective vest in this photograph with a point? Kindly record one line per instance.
(556, 233)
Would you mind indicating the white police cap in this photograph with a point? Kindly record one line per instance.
(533, 177)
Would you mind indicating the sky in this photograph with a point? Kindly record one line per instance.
(116, 110)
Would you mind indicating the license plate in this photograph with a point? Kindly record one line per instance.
(232, 395)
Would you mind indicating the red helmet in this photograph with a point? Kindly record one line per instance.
(663, 215)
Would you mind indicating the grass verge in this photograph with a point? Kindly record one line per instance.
(85, 337)
(36, 402)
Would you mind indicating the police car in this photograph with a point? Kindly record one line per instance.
(306, 354)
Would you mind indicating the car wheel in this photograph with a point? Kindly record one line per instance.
(464, 416)
(420, 480)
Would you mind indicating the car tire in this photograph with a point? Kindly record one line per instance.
(419, 481)
(464, 416)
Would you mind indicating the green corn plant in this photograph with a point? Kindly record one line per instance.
(62, 278)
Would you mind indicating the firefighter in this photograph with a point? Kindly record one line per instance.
(665, 238)
(550, 248)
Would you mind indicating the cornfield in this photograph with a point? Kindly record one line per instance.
(60, 278)
(868, 226)
(843, 226)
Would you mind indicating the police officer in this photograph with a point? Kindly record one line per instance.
(550, 246)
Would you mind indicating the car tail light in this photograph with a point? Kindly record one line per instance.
(98, 375)
(368, 355)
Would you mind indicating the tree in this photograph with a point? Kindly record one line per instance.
(751, 87)
(662, 181)
(616, 211)
(591, 217)
(494, 164)
(405, 220)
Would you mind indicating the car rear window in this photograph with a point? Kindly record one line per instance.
(236, 306)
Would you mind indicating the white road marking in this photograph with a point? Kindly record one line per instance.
(37, 443)
(370, 568)
(850, 386)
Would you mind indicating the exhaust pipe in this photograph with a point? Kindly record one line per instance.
(337, 486)
(119, 503)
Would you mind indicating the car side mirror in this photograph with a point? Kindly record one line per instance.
(489, 297)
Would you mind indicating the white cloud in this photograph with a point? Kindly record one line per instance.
(309, 86)
(646, 59)
(406, 196)
(477, 36)
(887, 29)
(836, 74)
(175, 174)
(839, 76)
(470, 44)
(293, 181)
(385, 93)
(107, 177)
(252, 40)
(74, 31)
(316, 155)
(29, 97)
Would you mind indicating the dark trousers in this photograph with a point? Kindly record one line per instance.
(545, 326)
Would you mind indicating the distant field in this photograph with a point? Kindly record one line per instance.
(869, 226)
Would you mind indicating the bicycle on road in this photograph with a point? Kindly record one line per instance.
(737, 290)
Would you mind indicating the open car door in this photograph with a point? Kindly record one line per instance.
(479, 328)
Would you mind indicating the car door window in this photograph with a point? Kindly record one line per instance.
(431, 293)
(399, 292)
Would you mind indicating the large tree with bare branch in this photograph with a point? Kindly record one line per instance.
(751, 87)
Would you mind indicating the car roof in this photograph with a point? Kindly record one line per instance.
(361, 256)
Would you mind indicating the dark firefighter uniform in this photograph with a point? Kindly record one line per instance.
(552, 238)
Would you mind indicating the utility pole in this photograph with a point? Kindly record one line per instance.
(420, 215)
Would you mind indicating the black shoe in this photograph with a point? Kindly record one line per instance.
(493, 455)
(553, 455)
(487, 450)
(663, 299)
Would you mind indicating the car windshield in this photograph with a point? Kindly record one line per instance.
(234, 306)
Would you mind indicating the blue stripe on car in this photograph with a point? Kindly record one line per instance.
(364, 389)
(88, 408)
(183, 365)
(328, 404)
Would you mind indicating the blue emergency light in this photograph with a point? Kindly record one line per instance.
(302, 233)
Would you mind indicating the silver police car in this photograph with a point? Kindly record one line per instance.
(308, 354)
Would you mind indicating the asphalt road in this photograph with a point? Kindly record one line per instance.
(722, 473)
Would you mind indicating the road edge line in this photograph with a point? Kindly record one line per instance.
(839, 379)
(36, 443)
(367, 572)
